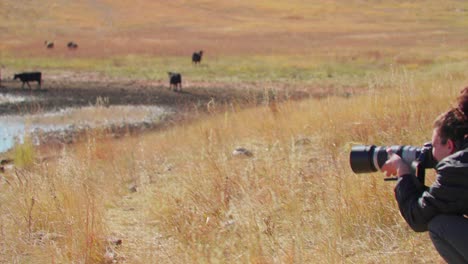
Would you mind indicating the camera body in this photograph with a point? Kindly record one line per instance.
(371, 158)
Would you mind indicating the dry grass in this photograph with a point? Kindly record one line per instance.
(295, 200)
(107, 28)
(292, 202)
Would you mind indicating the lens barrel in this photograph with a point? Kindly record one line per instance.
(361, 159)
(371, 158)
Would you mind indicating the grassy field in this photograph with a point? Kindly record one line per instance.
(179, 195)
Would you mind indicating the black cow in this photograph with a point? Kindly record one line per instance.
(48, 44)
(72, 45)
(197, 56)
(175, 80)
(27, 77)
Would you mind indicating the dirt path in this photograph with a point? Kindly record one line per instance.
(140, 241)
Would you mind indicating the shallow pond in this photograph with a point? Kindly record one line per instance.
(63, 122)
(6, 98)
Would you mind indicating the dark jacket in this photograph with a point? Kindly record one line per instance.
(447, 195)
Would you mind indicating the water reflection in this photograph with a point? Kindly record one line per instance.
(9, 134)
(6, 98)
(14, 128)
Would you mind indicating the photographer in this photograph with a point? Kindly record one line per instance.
(440, 208)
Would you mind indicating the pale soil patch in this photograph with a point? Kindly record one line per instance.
(141, 241)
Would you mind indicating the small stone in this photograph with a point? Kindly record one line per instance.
(242, 152)
(132, 188)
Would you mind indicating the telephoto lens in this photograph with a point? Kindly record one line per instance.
(371, 158)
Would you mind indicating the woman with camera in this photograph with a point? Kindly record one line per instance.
(441, 208)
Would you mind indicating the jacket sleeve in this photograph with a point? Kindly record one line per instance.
(410, 194)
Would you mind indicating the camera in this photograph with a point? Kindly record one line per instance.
(371, 158)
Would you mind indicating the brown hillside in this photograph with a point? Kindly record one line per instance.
(105, 27)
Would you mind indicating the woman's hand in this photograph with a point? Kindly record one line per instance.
(395, 166)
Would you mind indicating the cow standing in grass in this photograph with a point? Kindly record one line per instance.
(72, 45)
(175, 81)
(49, 44)
(197, 57)
(27, 77)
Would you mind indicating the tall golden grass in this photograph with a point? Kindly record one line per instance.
(179, 195)
(295, 200)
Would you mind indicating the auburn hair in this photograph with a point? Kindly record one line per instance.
(453, 124)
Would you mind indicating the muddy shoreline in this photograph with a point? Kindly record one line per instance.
(71, 90)
(77, 91)
(55, 95)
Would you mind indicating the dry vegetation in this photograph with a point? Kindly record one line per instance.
(179, 195)
(294, 201)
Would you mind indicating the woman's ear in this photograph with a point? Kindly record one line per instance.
(451, 145)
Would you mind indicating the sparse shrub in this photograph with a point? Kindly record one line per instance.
(24, 153)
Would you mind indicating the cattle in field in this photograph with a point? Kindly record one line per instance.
(197, 57)
(27, 77)
(72, 45)
(48, 44)
(175, 81)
